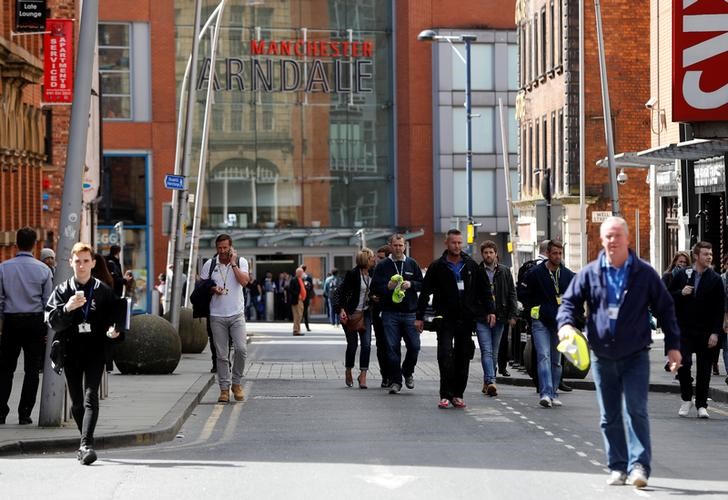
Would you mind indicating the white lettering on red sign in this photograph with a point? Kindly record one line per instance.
(700, 56)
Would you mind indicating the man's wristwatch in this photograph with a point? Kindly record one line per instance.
(235, 266)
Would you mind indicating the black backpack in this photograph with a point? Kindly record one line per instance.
(201, 296)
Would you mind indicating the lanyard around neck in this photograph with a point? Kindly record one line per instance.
(555, 279)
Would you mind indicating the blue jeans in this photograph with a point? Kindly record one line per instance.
(352, 340)
(622, 388)
(399, 326)
(489, 343)
(548, 359)
(333, 315)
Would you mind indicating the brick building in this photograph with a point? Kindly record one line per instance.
(33, 137)
(549, 120)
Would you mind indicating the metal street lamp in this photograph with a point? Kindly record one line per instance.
(429, 36)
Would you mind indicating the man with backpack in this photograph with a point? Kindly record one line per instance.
(331, 284)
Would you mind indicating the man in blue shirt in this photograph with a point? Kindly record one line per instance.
(620, 290)
(25, 286)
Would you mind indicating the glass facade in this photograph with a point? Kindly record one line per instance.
(301, 128)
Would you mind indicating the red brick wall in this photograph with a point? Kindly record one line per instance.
(159, 135)
(415, 197)
(627, 54)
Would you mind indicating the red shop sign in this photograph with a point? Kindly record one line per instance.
(700, 59)
(58, 61)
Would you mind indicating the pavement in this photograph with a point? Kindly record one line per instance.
(150, 409)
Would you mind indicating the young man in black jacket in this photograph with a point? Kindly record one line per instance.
(699, 301)
(461, 296)
(81, 311)
(398, 313)
(541, 296)
(503, 291)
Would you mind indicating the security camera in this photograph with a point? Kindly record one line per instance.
(651, 103)
(622, 177)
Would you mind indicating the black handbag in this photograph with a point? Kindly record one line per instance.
(201, 296)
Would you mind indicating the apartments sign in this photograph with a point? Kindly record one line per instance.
(58, 61)
(700, 56)
(327, 66)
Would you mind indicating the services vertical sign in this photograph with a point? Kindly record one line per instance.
(30, 15)
(58, 61)
(700, 59)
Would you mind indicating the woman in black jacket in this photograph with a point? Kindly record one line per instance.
(355, 315)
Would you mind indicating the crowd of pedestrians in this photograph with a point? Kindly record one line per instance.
(617, 299)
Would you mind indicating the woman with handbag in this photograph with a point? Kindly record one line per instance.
(355, 315)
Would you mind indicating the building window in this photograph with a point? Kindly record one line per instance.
(512, 67)
(561, 166)
(552, 35)
(482, 128)
(481, 67)
(512, 130)
(483, 190)
(529, 158)
(534, 48)
(522, 47)
(125, 71)
(542, 49)
(115, 69)
(560, 40)
(555, 174)
(544, 146)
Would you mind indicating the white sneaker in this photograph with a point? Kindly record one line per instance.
(617, 478)
(556, 402)
(638, 476)
(685, 408)
(545, 402)
(703, 413)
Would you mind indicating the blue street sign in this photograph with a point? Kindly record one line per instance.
(174, 181)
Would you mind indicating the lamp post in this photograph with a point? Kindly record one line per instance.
(429, 36)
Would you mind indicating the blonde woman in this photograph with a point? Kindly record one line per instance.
(355, 315)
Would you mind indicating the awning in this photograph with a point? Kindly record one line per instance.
(696, 149)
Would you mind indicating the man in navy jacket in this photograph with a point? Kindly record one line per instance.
(620, 290)
(398, 318)
(699, 302)
(541, 295)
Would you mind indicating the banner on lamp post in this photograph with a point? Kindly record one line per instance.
(58, 61)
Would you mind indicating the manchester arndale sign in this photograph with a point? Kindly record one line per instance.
(327, 66)
(700, 59)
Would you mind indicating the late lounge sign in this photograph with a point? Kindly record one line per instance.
(700, 59)
(328, 66)
(30, 15)
(58, 61)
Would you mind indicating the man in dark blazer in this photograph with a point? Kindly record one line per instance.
(699, 295)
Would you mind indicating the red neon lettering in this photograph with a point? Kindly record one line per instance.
(285, 48)
(257, 47)
(272, 48)
(345, 49)
(298, 49)
(367, 49)
(356, 49)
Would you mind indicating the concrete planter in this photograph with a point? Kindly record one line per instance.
(151, 347)
(192, 331)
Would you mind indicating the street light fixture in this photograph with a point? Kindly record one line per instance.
(432, 36)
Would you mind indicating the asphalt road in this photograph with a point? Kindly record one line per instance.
(311, 437)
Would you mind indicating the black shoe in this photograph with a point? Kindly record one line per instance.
(386, 384)
(3, 417)
(409, 382)
(25, 421)
(505, 373)
(213, 369)
(308, 329)
(564, 388)
(86, 455)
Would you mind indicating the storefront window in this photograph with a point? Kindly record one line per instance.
(303, 114)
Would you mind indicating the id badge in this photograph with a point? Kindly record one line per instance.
(84, 328)
(461, 285)
(613, 311)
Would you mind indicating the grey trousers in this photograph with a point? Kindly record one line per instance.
(225, 328)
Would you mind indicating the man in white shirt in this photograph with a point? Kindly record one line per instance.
(227, 315)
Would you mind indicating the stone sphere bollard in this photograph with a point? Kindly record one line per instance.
(151, 347)
(192, 331)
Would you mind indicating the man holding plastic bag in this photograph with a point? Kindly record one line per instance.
(620, 290)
